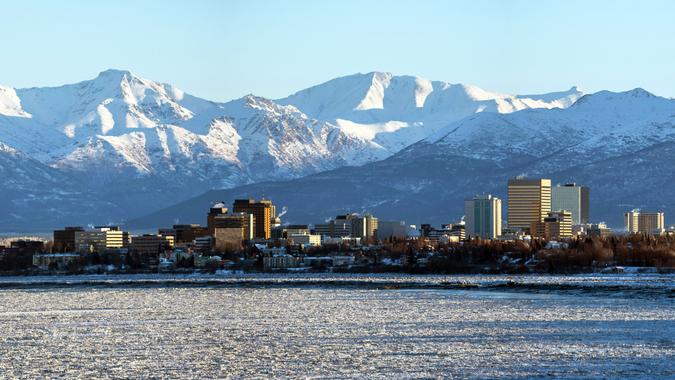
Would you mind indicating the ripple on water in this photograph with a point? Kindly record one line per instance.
(194, 333)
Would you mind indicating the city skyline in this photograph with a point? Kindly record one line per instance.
(346, 189)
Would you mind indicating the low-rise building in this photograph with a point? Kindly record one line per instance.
(341, 226)
(56, 261)
(151, 244)
(204, 261)
(599, 229)
(282, 232)
(343, 261)
(644, 222)
(203, 244)
(185, 233)
(280, 261)
(99, 239)
(305, 239)
(447, 232)
(557, 225)
(391, 229)
(328, 261)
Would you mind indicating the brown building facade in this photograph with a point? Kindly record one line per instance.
(64, 240)
(557, 225)
(529, 202)
(263, 212)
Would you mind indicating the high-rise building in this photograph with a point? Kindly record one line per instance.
(529, 201)
(483, 216)
(231, 230)
(556, 225)
(364, 226)
(263, 212)
(215, 210)
(64, 240)
(644, 222)
(572, 198)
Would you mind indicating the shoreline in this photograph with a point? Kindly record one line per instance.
(631, 285)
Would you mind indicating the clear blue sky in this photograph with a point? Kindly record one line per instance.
(225, 49)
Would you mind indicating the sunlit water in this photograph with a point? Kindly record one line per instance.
(214, 331)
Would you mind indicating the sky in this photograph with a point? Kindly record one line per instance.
(221, 50)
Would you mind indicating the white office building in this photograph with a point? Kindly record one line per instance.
(483, 217)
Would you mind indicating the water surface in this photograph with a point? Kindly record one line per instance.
(191, 332)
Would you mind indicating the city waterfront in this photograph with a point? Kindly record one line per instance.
(338, 326)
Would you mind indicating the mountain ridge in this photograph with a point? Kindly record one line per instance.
(123, 146)
(620, 144)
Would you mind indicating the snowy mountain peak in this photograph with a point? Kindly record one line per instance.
(10, 104)
(641, 93)
(396, 111)
(166, 144)
(112, 103)
(626, 101)
(114, 74)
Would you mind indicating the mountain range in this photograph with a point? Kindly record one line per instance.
(123, 149)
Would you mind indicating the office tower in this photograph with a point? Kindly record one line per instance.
(556, 225)
(483, 216)
(230, 231)
(529, 201)
(644, 222)
(364, 226)
(215, 210)
(263, 212)
(572, 198)
(64, 240)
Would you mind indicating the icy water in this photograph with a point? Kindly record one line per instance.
(317, 329)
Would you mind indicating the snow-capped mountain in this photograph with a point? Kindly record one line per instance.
(119, 145)
(395, 111)
(120, 123)
(621, 145)
(124, 141)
